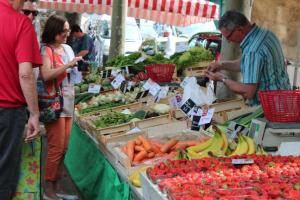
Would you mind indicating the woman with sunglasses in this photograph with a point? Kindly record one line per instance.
(58, 64)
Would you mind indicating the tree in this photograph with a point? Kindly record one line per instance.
(119, 12)
(232, 51)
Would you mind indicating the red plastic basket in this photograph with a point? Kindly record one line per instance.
(281, 105)
(160, 73)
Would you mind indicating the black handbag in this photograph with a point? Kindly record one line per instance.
(50, 106)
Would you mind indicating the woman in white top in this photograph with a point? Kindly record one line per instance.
(59, 64)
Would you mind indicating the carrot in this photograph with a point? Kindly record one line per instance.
(192, 143)
(139, 148)
(124, 149)
(145, 143)
(151, 155)
(140, 156)
(138, 141)
(180, 145)
(168, 145)
(155, 148)
(130, 150)
(156, 143)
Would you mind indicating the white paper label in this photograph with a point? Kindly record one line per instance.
(126, 112)
(118, 81)
(242, 161)
(206, 117)
(94, 88)
(134, 130)
(152, 86)
(175, 101)
(140, 59)
(185, 81)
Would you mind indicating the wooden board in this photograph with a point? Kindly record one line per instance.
(109, 130)
(153, 121)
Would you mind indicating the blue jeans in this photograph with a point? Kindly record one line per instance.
(12, 124)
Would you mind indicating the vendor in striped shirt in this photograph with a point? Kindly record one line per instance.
(261, 63)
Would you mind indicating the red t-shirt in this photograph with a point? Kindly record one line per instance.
(18, 44)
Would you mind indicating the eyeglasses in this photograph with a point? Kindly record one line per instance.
(66, 31)
(230, 34)
(28, 12)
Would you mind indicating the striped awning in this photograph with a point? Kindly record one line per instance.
(173, 12)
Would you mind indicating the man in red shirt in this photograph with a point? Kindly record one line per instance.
(19, 51)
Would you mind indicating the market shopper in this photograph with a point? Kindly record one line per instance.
(261, 63)
(82, 44)
(58, 62)
(30, 9)
(19, 51)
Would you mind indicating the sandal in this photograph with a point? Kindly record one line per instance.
(67, 196)
(45, 197)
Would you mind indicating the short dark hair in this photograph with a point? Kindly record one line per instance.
(54, 26)
(232, 19)
(75, 28)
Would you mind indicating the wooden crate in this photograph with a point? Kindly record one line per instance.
(153, 121)
(115, 147)
(108, 130)
(83, 119)
(228, 105)
(224, 116)
(197, 69)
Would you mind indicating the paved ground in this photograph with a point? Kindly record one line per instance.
(65, 183)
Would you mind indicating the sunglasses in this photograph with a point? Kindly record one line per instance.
(28, 12)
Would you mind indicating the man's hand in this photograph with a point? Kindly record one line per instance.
(214, 66)
(217, 76)
(33, 128)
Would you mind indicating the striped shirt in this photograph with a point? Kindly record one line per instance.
(263, 62)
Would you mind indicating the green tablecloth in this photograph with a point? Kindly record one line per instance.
(90, 171)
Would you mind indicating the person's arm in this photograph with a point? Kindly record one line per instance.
(28, 85)
(49, 73)
(246, 90)
(230, 65)
(82, 53)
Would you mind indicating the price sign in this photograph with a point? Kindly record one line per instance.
(125, 70)
(94, 88)
(195, 123)
(142, 94)
(152, 86)
(206, 117)
(185, 81)
(130, 85)
(116, 83)
(106, 73)
(140, 59)
(162, 93)
(242, 161)
(123, 87)
(175, 101)
(115, 72)
(188, 107)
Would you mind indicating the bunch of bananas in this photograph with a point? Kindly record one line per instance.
(215, 146)
(219, 146)
(245, 145)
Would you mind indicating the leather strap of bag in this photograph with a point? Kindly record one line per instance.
(57, 88)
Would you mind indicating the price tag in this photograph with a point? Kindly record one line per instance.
(118, 81)
(126, 112)
(162, 93)
(142, 94)
(140, 59)
(152, 86)
(175, 101)
(125, 70)
(94, 88)
(134, 130)
(242, 161)
(130, 85)
(123, 87)
(185, 81)
(106, 73)
(195, 123)
(188, 107)
(115, 72)
(206, 117)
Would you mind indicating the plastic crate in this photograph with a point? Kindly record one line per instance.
(281, 105)
(160, 73)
